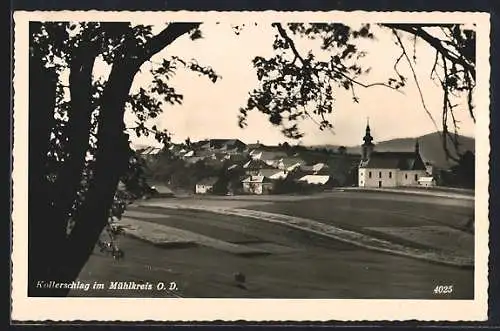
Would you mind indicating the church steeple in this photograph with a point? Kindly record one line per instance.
(368, 137)
(368, 144)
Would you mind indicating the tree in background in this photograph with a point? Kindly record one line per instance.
(79, 145)
(464, 171)
(302, 85)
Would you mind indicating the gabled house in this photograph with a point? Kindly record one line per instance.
(188, 154)
(289, 163)
(162, 190)
(315, 169)
(253, 166)
(316, 179)
(427, 181)
(149, 153)
(227, 144)
(257, 185)
(272, 173)
(205, 185)
(269, 157)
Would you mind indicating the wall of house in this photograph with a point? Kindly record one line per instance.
(387, 177)
(257, 188)
(252, 188)
(430, 183)
(407, 177)
(203, 189)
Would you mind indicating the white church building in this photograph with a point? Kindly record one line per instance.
(389, 169)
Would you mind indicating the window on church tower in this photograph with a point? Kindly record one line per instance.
(390, 174)
(416, 177)
(406, 176)
(370, 174)
(380, 174)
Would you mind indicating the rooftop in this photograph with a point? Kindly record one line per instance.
(394, 160)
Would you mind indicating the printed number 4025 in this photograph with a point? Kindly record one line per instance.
(440, 289)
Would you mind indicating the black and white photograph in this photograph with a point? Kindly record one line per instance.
(315, 166)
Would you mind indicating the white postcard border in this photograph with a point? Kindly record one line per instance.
(25, 308)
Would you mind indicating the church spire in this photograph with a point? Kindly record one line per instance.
(368, 145)
(368, 137)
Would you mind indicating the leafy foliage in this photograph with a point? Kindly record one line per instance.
(296, 84)
(66, 47)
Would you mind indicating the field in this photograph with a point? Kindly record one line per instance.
(298, 264)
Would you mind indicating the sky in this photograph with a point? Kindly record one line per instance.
(210, 110)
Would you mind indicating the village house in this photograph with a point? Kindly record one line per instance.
(272, 173)
(162, 190)
(188, 154)
(389, 169)
(315, 169)
(149, 152)
(227, 144)
(205, 185)
(289, 163)
(315, 179)
(253, 166)
(257, 185)
(428, 181)
(269, 157)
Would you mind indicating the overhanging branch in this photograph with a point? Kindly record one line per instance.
(436, 44)
(165, 38)
(305, 63)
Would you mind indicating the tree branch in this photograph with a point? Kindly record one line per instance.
(297, 55)
(165, 38)
(403, 49)
(436, 43)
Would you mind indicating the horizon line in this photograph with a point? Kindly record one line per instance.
(300, 144)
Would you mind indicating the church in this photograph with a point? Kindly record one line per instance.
(389, 169)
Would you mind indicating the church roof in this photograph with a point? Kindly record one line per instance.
(394, 160)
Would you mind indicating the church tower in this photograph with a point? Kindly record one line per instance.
(368, 145)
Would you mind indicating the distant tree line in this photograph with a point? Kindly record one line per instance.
(460, 175)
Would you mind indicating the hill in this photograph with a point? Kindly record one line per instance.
(431, 147)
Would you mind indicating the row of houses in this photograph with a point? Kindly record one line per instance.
(261, 177)
(260, 167)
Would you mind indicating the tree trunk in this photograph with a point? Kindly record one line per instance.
(79, 126)
(42, 98)
(111, 161)
(49, 209)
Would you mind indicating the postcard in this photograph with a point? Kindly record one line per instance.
(255, 166)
